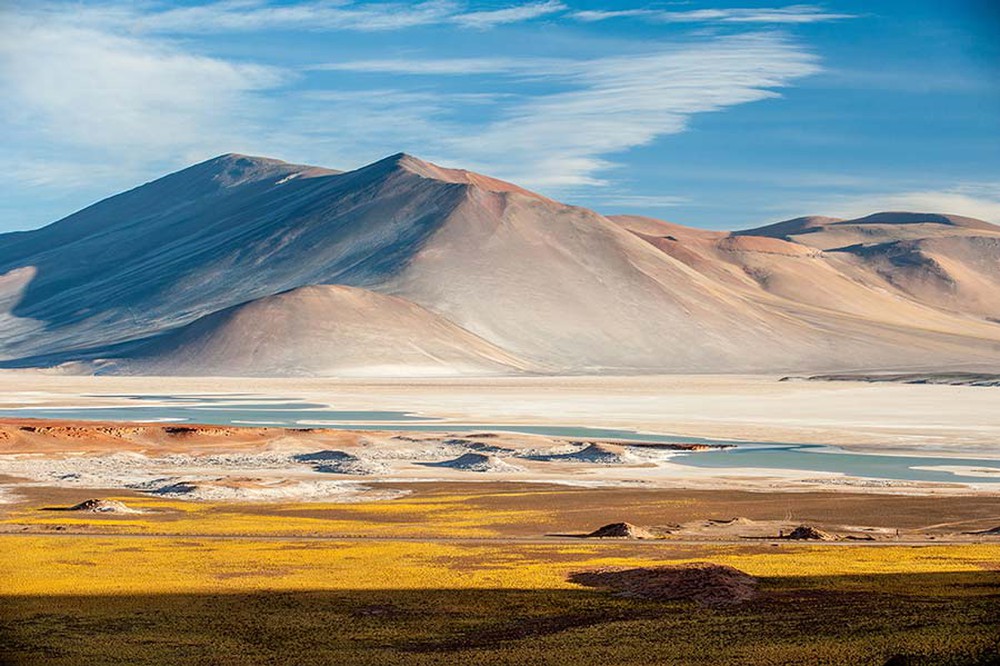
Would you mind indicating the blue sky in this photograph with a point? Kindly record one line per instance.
(714, 114)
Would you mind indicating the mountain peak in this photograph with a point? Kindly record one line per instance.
(232, 157)
(232, 169)
(414, 165)
(795, 226)
(398, 161)
(905, 217)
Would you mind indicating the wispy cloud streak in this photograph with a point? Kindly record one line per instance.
(564, 139)
(435, 66)
(319, 16)
(793, 14)
(516, 14)
(97, 88)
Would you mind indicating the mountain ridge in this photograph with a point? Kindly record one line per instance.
(547, 286)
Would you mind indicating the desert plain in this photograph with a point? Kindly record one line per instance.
(445, 541)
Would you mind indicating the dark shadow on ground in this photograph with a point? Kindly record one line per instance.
(905, 620)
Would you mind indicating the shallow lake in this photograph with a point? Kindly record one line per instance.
(248, 409)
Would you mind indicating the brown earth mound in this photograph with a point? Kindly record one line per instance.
(102, 506)
(727, 522)
(598, 453)
(993, 531)
(621, 531)
(704, 583)
(808, 533)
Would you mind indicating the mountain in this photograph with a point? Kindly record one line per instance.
(944, 261)
(251, 266)
(828, 233)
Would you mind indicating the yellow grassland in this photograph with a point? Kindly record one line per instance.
(437, 516)
(46, 564)
(202, 583)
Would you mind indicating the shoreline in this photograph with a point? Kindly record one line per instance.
(267, 464)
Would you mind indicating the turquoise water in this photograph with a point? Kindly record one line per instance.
(247, 409)
(817, 458)
(211, 411)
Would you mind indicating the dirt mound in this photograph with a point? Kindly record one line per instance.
(172, 489)
(325, 455)
(478, 462)
(726, 522)
(704, 583)
(102, 506)
(478, 447)
(608, 454)
(621, 531)
(808, 533)
(341, 462)
(992, 531)
(597, 453)
(263, 489)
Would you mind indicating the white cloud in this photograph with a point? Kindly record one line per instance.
(84, 87)
(594, 15)
(488, 19)
(80, 93)
(777, 15)
(793, 14)
(376, 16)
(316, 15)
(562, 139)
(425, 67)
(248, 15)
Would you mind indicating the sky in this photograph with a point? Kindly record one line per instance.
(721, 115)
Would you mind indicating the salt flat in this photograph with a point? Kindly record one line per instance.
(855, 415)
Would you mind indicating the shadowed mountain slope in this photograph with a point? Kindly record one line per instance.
(215, 235)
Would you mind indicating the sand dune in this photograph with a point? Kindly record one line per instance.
(319, 330)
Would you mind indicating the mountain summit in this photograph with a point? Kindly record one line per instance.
(251, 266)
